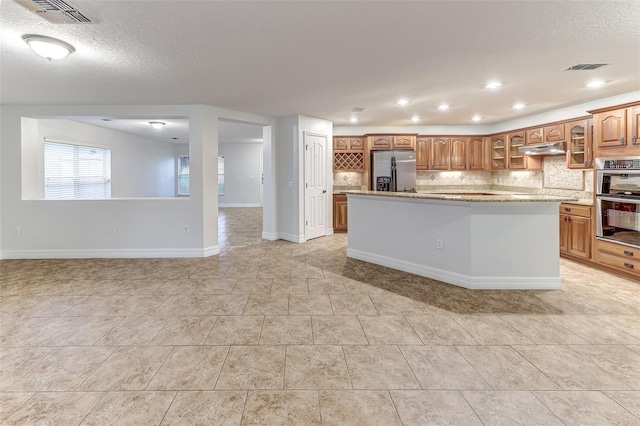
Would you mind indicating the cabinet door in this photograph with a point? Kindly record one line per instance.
(340, 143)
(475, 153)
(381, 142)
(580, 236)
(440, 153)
(554, 133)
(610, 128)
(403, 142)
(499, 156)
(577, 152)
(459, 153)
(422, 153)
(634, 126)
(534, 136)
(340, 213)
(516, 158)
(356, 144)
(564, 233)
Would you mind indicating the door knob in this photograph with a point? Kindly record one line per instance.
(324, 191)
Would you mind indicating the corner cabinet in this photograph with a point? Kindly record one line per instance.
(580, 144)
(340, 213)
(615, 131)
(575, 231)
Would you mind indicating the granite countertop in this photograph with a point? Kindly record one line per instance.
(469, 196)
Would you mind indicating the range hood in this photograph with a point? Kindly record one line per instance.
(555, 148)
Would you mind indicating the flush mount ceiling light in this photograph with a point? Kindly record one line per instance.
(476, 118)
(493, 84)
(402, 102)
(518, 106)
(47, 47)
(595, 84)
(443, 107)
(157, 124)
(353, 119)
(415, 118)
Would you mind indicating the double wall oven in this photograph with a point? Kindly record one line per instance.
(618, 200)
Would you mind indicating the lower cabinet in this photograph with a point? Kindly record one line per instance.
(339, 213)
(575, 230)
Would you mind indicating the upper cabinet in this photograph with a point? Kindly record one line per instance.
(554, 133)
(342, 143)
(476, 153)
(499, 152)
(615, 131)
(580, 144)
(423, 145)
(505, 153)
(516, 158)
(440, 154)
(458, 153)
(534, 136)
(392, 142)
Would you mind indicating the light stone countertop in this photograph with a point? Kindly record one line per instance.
(469, 196)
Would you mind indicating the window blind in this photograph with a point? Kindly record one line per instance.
(76, 171)
(183, 175)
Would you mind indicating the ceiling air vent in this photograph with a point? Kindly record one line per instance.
(357, 110)
(585, 67)
(56, 11)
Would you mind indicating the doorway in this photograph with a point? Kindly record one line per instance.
(315, 186)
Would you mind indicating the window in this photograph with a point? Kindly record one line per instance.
(76, 171)
(183, 175)
(221, 175)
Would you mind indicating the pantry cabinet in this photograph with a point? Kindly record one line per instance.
(575, 230)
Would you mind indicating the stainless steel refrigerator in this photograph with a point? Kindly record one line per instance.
(393, 171)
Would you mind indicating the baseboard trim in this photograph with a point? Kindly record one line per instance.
(269, 236)
(291, 237)
(239, 205)
(474, 283)
(109, 253)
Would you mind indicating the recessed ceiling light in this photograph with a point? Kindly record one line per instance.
(415, 118)
(353, 119)
(476, 118)
(157, 124)
(493, 85)
(443, 107)
(402, 102)
(595, 83)
(47, 47)
(518, 106)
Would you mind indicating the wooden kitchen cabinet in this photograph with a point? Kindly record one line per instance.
(403, 142)
(534, 136)
(476, 153)
(575, 230)
(440, 154)
(554, 133)
(499, 152)
(340, 213)
(516, 159)
(423, 146)
(342, 143)
(619, 257)
(377, 142)
(615, 131)
(348, 154)
(580, 144)
(458, 153)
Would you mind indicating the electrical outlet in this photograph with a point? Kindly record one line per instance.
(112, 229)
(439, 244)
(186, 229)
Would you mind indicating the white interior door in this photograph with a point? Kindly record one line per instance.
(315, 191)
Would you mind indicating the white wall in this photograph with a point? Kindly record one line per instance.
(241, 174)
(140, 167)
(145, 227)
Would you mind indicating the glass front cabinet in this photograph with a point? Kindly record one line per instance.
(580, 144)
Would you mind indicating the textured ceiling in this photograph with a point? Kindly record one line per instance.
(324, 58)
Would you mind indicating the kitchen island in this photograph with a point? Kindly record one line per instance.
(473, 240)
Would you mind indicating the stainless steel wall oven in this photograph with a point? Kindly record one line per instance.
(618, 200)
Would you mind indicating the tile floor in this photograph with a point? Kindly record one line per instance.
(277, 333)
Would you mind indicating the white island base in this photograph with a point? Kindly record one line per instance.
(472, 244)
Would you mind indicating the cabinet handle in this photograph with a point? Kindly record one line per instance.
(622, 140)
(628, 265)
(567, 209)
(628, 253)
(634, 139)
(547, 138)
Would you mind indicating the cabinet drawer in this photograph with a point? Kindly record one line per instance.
(619, 250)
(628, 265)
(575, 209)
